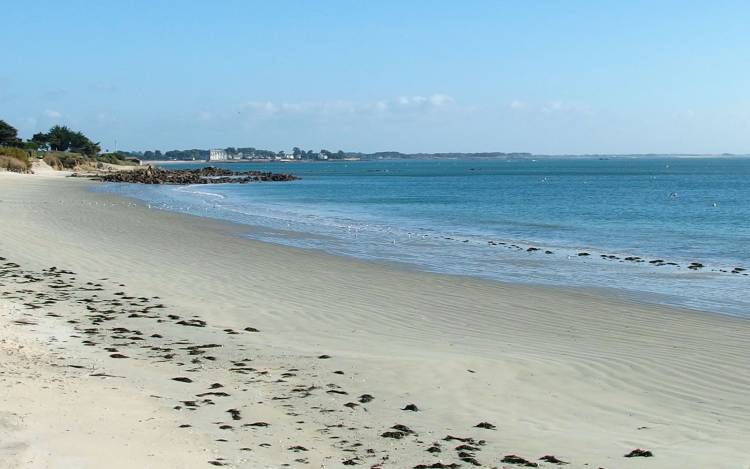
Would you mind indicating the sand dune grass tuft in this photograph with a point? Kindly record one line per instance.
(14, 159)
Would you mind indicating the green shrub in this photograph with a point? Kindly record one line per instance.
(114, 158)
(64, 160)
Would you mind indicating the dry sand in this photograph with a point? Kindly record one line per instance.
(566, 373)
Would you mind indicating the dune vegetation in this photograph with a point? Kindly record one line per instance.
(60, 147)
(15, 159)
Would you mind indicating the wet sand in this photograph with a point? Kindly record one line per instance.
(154, 339)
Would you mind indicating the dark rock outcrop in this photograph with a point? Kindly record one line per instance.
(207, 175)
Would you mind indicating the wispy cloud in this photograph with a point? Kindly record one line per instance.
(53, 114)
(342, 107)
(550, 107)
(554, 106)
(436, 100)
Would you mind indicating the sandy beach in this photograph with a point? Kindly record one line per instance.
(132, 337)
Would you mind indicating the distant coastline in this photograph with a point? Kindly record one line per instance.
(460, 156)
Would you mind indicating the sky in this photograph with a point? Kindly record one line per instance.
(548, 77)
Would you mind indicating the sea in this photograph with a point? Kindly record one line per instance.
(667, 230)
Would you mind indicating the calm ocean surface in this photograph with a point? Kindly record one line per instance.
(453, 216)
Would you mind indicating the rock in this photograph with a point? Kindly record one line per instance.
(640, 453)
(365, 398)
(192, 322)
(411, 407)
(467, 448)
(182, 379)
(551, 459)
(206, 175)
(403, 428)
(437, 465)
(485, 425)
(464, 440)
(324, 357)
(513, 459)
(469, 459)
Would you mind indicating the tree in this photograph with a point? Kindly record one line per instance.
(8, 135)
(41, 140)
(61, 138)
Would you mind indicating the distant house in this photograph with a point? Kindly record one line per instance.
(322, 156)
(217, 154)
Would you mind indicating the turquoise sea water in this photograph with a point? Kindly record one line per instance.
(480, 218)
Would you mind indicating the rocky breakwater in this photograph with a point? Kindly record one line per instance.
(207, 175)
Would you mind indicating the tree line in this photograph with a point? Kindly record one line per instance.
(58, 138)
(246, 152)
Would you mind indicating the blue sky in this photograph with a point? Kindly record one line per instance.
(545, 76)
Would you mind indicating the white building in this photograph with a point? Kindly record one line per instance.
(217, 154)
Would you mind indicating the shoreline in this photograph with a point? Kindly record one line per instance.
(624, 295)
(674, 275)
(608, 293)
(567, 373)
